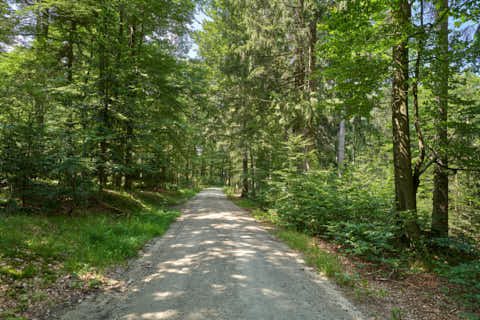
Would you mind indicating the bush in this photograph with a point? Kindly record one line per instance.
(367, 239)
(305, 202)
(313, 201)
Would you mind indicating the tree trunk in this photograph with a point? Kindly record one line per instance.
(312, 57)
(441, 70)
(245, 176)
(71, 177)
(299, 50)
(129, 176)
(103, 113)
(405, 198)
(252, 166)
(417, 171)
(341, 148)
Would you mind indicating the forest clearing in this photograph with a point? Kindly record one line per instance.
(349, 129)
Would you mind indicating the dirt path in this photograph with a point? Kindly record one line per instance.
(214, 263)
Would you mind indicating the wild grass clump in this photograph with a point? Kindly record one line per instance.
(85, 241)
(327, 263)
(92, 238)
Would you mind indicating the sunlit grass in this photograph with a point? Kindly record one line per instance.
(327, 263)
(88, 239)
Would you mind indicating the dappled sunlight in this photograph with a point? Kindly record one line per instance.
(220, 263)
(167, 294)
(181, 245)
(254, 228)
(218, 288)
(154, 276)
(270, 293)
(167, 314)
(226, 226)
(243, 252)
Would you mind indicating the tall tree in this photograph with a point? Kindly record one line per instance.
(405, 197)
(442, 72)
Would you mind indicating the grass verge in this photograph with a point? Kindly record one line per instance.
(38, 251)
(378, 291)
(327, 263)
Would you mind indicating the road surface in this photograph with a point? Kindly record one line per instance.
(216, 262)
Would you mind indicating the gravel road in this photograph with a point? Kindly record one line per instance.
(216, 262)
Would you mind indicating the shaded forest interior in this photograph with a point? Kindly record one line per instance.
(357, 121)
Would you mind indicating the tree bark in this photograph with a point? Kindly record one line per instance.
(441, 69)
(104, 104)
(129, 176)
(421, 142)
(245, 175)
(404, 188)
(312, 58)
(252, 166)
(341, 148)
(405, 197)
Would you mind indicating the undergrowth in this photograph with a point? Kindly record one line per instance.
(91, 238)
(359, 218)
(45, 246)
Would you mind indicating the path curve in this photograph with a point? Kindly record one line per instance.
(216, 262)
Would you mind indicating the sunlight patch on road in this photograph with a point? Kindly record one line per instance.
(181, 245)
(271, 293)
(167, 294)
(167, 314)
(219, 288)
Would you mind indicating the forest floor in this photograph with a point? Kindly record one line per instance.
(382, 294)
(376, 290)
(52, 259)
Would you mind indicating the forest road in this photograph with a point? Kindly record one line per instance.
(216, 262)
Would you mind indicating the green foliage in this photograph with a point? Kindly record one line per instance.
(459, 262)
(315, 200)
(302, 202)
(371, 240)
(83, 105)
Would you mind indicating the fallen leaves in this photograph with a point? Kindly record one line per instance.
(379, 294)
(30, 287)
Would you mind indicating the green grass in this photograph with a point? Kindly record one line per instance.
(91, 239)
(166, 199)
(269, 216)
(38, 249)
(327, 263)
(246, 203)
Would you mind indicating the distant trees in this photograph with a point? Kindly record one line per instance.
(93, 97)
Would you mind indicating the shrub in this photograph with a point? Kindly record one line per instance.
(371, 240)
